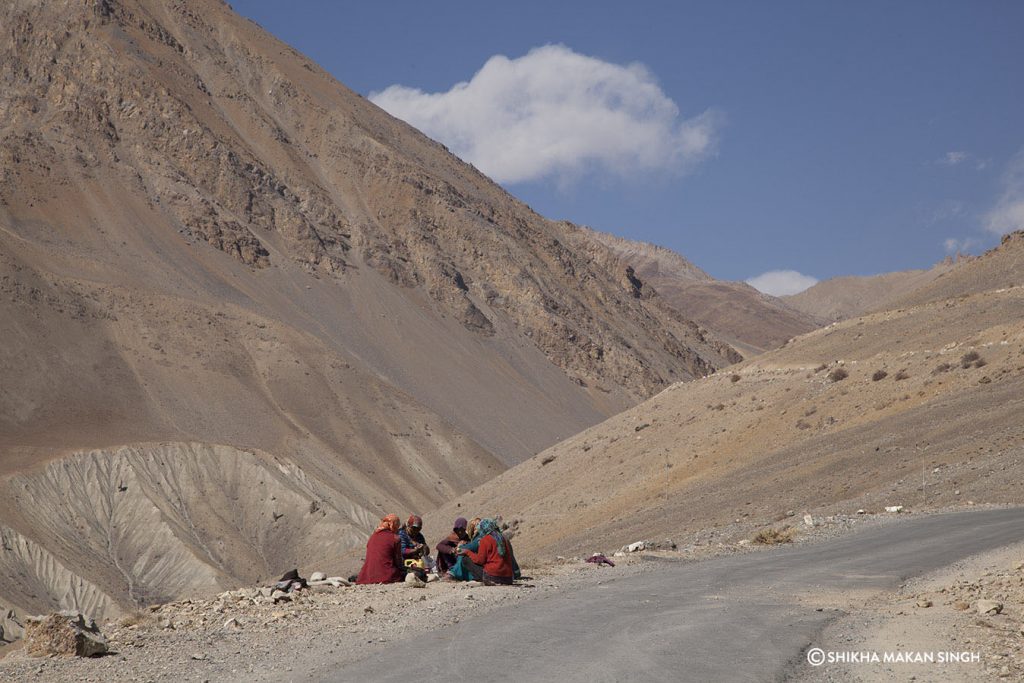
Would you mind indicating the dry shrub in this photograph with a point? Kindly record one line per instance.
(879, 375)
(838, 374)
(940, 368)
(901, 375)
(135, 618)
(980, 363)
(968, 358)
(820, 368)
(773, 536)
(734, 379)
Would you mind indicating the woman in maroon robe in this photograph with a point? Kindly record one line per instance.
(383, 563)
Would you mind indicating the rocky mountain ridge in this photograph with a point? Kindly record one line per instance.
(734, 311)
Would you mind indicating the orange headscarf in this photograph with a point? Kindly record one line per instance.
(389, 523)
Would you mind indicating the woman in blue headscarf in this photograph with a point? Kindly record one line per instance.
(491, 561)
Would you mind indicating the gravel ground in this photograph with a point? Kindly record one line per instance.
(196, 640)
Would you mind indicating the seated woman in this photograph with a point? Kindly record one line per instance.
(446, 549)
(383, 563)
(414, 546)
(415, 551)
(493, 563)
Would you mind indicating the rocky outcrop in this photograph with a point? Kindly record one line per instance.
(67, 634)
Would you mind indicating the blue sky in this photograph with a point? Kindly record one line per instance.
(826, 138)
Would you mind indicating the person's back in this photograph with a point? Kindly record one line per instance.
(383, 562)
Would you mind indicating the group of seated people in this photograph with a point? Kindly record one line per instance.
(473, 551)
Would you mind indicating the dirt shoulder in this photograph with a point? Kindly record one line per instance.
(937, 615)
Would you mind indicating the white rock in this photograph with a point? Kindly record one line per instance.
(413, 581)
(637, 546)
(894, 508)
(808, 520)
(317, 576)
(232, 624)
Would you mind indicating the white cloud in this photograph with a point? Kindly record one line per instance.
(557, 113)
(954, 245)
(953, 158)
(958, 157)
(782, 282)
(1008, 213)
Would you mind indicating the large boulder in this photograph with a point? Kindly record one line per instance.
(65, 634)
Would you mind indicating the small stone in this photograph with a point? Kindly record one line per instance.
(894, 508)
(318, 576)
(923, 602)
(413, 581)
(988, 607)
(166, 624)
(199, 656)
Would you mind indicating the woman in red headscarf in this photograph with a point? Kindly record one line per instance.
(383, 563)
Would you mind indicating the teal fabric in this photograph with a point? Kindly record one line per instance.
(458, 570)
(488, 527)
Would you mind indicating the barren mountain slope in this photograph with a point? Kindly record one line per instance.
(849, 296)
(749, 320)
(997, 268)
(928, 415)
(212, 253)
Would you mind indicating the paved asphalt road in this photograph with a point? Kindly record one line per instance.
(733, 618)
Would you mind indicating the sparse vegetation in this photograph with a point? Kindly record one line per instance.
(902, 375)
(134, 619)
(838, 375)
(969, 358)
(879, 375)
(803, 424)
(734, 379)
(820, 368)
(941, 368)
(772, 536)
